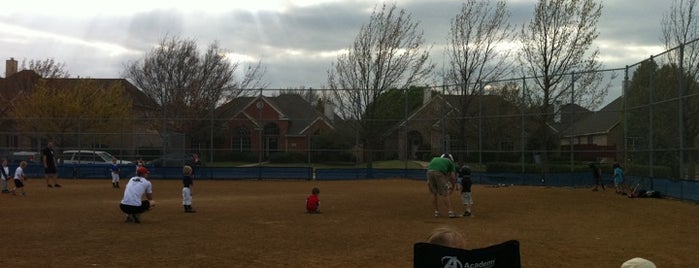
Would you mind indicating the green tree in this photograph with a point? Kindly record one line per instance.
(653, 121)
(61, 107)
(389, 52)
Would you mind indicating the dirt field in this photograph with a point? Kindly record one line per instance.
(363, 224)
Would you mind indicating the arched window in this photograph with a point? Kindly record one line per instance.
(241, 140)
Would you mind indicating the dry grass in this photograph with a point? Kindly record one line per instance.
(364, 224)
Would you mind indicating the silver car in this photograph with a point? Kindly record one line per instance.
(88, 157)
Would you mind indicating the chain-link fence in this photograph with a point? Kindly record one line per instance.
(646, 120)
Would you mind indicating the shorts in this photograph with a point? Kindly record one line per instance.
(618, 181)
(19, 184)
(437, 182)
(50, 170)
(145, 205)
(466, 198)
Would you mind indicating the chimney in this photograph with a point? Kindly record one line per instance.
(10, 67)
(329, 110)
(426, 95)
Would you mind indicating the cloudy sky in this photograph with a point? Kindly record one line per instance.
(296, 40)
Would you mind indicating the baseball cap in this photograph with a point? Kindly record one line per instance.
(638, 263)
(448, 156)
(141, 170)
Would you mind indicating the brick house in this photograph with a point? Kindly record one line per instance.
(261, 124)
(433, 128)
(18, 83)
(598, 136)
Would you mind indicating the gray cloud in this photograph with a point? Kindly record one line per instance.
(287, 42)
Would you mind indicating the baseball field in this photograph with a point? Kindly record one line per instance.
(368, 223)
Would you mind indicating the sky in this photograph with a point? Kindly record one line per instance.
(296, 40)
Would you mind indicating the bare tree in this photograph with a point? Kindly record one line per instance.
(188, 84)
(557, 51)
(47, 68)
(476, 53)
(389, 52)
(680, 29)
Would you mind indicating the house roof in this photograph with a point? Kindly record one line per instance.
(598, 122)
(26, 80)
(140, 99)
(291, 107)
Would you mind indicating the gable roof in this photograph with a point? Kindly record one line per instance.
(291, 107)
(140, 99)
(599, 122)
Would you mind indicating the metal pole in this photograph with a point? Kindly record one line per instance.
(624, 88)
(650, 117)
(480, 123)
(405, 138)
(522, 130)
(572, 120)
(680, 109)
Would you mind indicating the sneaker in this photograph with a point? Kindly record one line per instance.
(436, 214)
(453, 215)
(49, 185)
(57, 185)
(129, 218)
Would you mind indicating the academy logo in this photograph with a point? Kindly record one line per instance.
(454, 262)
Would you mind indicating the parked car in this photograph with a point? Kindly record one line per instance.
(30, 157)
(176, 160)
(88, 157)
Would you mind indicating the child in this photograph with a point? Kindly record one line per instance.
(465, 174)
(5, 174)
(19, 178)
(312, 201)
(619, 179)
(187, 189)
(115, 173)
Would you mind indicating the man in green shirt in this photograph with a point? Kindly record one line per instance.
(441, 175)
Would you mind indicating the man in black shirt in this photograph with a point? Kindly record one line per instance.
(49, 159)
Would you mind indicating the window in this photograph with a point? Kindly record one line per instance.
(241, 140)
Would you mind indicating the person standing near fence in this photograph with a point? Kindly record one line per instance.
(597, 176)
(441, 175)
(115, 173)
(618, 179)
(5, 173)
(49, 159)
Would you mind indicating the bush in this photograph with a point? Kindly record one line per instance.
(288, 157)
(242, 157)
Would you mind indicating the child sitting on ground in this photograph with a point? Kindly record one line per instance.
(312, 201)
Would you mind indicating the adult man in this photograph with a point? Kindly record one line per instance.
(441, 175)
(49, 159)
(132, 203)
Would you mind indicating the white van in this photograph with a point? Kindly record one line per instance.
(88, 157)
